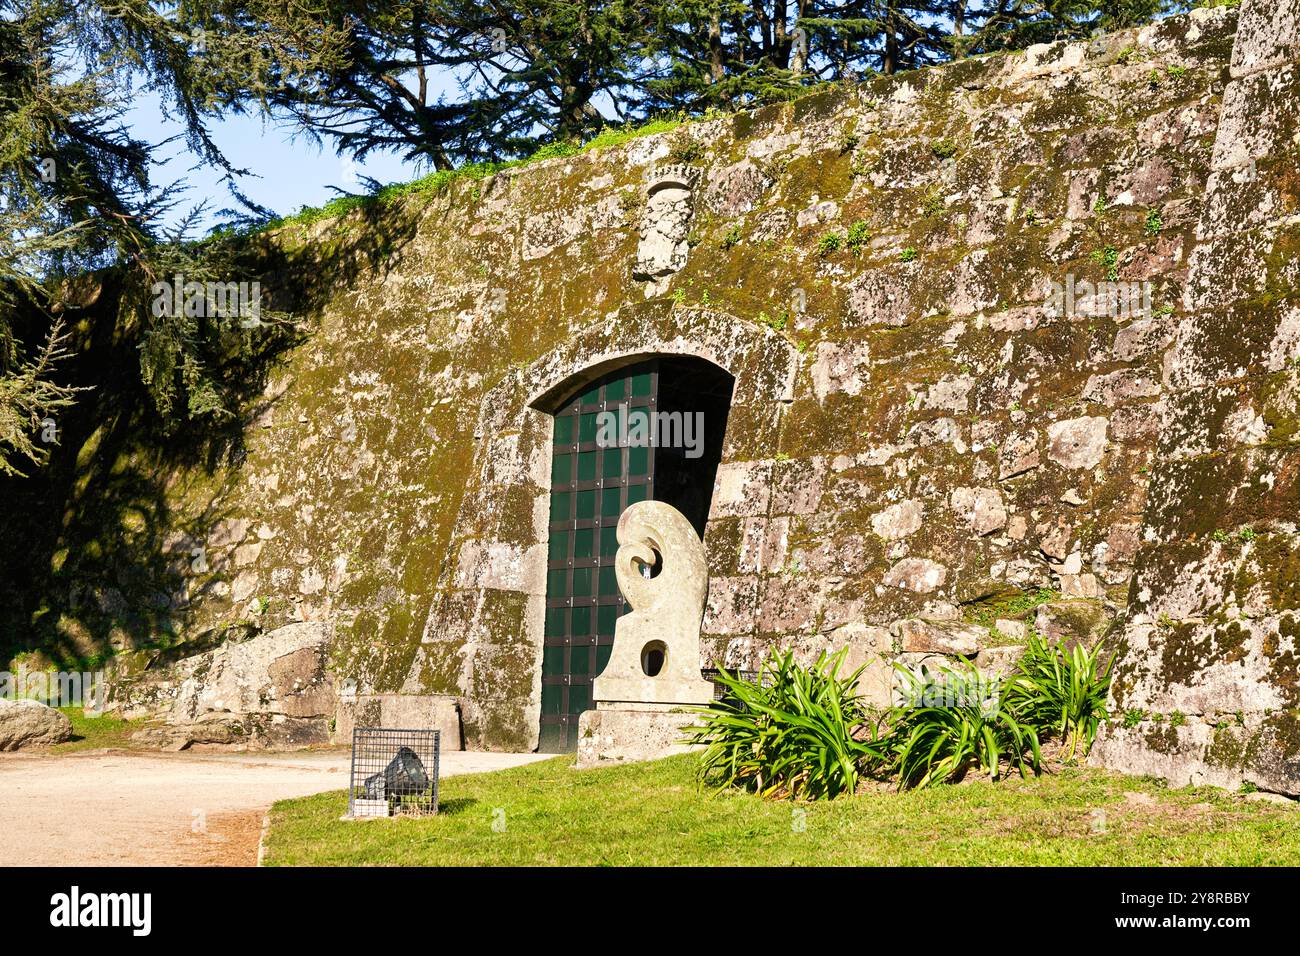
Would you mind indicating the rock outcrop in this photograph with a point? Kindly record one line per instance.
(29, 723)
(272, 690)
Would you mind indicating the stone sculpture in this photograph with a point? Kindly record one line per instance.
(645, 694)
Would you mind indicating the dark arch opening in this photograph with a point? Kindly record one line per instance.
(692, 386)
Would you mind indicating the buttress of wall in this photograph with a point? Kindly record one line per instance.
(952, 449)
(1209, 680)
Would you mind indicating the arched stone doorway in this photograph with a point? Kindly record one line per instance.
(651, 429)
(483, 641)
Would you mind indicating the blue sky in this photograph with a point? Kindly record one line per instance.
(290, 173)
(287, 172)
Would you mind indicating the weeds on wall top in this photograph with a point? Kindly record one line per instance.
(437, 182)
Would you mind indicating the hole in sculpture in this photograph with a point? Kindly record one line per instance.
(651, 570)
(653, 656)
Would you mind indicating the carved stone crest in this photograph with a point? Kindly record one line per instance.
(665, 224)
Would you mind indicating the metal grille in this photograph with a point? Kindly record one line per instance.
(590, 487)
(719, 692)
(394, 772)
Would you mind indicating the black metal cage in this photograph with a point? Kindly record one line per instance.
(394, 772)
(710, 674)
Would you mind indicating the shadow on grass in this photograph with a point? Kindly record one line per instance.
(455, 806)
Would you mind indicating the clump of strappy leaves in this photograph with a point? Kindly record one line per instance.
(804, 732)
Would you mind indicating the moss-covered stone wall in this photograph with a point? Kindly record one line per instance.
(1208, 684)
(929, 456)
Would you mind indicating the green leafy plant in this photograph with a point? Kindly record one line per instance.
(1133, 716)
(907, 255)
(1108, 259)
(858, 236)
(1060, 692)
(828, 243)
(732, 238)
(803, 732)
(944, 149)
(950, 720)
(1154, 222)
(789, 733)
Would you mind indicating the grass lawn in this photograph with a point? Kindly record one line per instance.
(654, 814)
(92, 733)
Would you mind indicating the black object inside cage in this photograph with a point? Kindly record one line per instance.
(710, 674)
(394, 772)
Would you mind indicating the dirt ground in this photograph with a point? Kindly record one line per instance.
(125, 808)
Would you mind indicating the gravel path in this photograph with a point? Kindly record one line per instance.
(121, 808)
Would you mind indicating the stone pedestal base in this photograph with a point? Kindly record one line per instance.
(614, 735)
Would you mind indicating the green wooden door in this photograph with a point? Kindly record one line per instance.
(590, 487)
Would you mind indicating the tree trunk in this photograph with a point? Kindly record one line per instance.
(575, 111)
(716, 65)
(889, 62)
